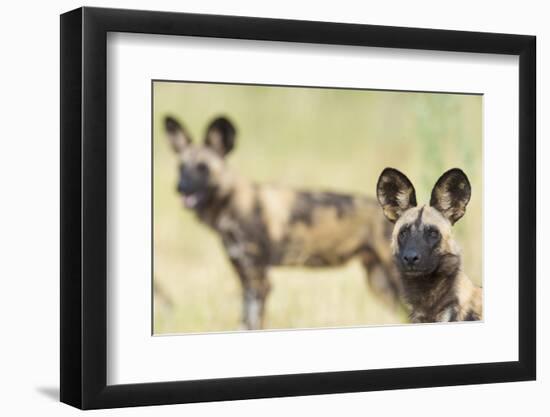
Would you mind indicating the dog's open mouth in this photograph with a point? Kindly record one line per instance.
(191, 201)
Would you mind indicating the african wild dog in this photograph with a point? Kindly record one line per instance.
(424, 250)
(266, 225)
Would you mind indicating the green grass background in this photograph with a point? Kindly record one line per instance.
(303, 137)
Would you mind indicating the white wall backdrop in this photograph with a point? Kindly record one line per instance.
(29, 226)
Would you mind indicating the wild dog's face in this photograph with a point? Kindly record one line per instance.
(422, 240)
(202, 169)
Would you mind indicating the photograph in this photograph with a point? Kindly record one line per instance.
(286, 204)
(296, 207)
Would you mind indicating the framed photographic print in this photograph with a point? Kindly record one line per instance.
(257, 207)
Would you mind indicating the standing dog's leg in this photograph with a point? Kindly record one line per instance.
(255, 292)
(250, 265)
(255, 287)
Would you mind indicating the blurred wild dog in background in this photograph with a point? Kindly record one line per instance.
(427, 256)
(263, 225)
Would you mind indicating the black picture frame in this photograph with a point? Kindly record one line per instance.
(84, 207)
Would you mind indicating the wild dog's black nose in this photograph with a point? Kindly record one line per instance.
(411, 257)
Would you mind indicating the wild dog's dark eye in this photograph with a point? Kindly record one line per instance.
(402, 234)
(202, 168)
(433, 233)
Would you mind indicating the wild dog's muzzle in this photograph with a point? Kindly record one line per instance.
(193, 187)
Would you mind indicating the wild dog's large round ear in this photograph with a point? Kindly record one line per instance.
(451, 194)
(178, 137)
(220, 136)
(395, 193)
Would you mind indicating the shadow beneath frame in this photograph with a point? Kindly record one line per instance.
(50, 392)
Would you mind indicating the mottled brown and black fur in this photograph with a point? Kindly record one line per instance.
(264, 225)
(426, 255)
